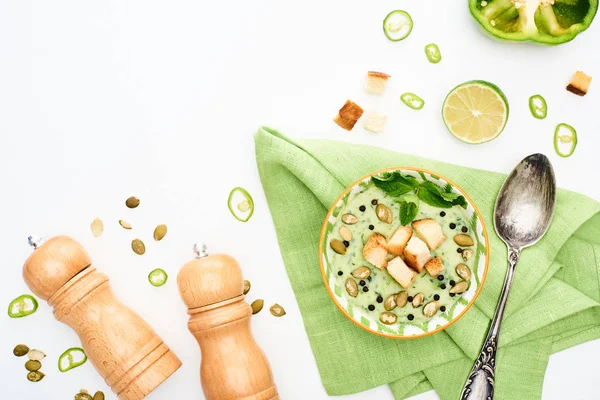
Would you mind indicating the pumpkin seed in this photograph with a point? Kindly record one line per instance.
(132, 202)
(418, 300)
(33, 365)
(97, 227)
(83, 396)
(431, 308)
(247, 286)
(402, 299)
(20, 350)
(361, 272)
(390, 302)
(99, 395)
(345, 233)
(463, 240)
(160, 232)
(349, 219)
(388, 318)
(460, 287)
(338, 246)
(257, 305)
(125, 224)
(351, 287)
(384, 213)
(138, 246)
(36, 355)
(35, 376)
(466, 254)
(463, 271)
(277, 310)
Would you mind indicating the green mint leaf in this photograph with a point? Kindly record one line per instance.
(460, 201)
(433, 199)
(395, 184)
(449, 196)
(448, 188)
(409, 207)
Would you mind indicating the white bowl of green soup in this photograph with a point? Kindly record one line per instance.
(404, 252)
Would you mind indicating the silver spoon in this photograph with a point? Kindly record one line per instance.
(524, 209)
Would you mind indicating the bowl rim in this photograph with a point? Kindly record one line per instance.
(322, 265)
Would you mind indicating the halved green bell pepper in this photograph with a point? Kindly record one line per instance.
(542, 21)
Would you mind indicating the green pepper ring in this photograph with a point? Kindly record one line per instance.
(25, 313)
(542, 38)
(556, 140)
(75, 364)
(534, 110)
(410, 25)
(247, 197)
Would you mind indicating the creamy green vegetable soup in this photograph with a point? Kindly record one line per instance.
(402, 248)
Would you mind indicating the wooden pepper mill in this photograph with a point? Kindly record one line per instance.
(233, 366)
(124, 349)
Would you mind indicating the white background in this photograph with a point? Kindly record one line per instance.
(103, 100)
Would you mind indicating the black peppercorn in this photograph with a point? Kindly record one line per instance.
(452, 283)
(452, 294)
(362, 283)
(410, 317)
(409, 298)
(443, 286)
(366, 289)
(340, 273)
(436, 297)
(379, 299)
(443, 214)
(443, 308)
(346, 243)
(464, 229)
(362, 208)
(371, 307)
(371, 227)
(440, 277)
(452, 225)
(459, 250)
(374, 202)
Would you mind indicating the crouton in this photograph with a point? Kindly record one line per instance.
(401, 273)
(430, 231)
(376, 82)
(416, 254)
(435, 267)
(348, 115)
(399, 239)
(580, 83)
(375, 122)
(375, 251)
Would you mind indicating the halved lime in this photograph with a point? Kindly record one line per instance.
(475, 112)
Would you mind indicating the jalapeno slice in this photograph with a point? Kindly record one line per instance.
(22, 306)
(412, 100)
(397, 25)
(240, 204)
(538, 106)
(71, 358)
(432, 51)
(565, 140)
(158, 277)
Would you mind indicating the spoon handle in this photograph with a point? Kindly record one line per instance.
(480, 383)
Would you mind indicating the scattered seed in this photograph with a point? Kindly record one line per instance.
(138, 246)
(459, 250)
(340, 273)
(384, 213)
(371, 227)
(277, 310)
(374, 202)
(463, 271)
(132, 202)
(436, 297)
(460, 287)
(443, 286)
(99, 395)
(365, 289)
(443, 308)
(402, 299)
(125, 224)
(371, 307)
(351, 287)
(418, 300)
(257, 305)
(345, 233)
(464, 229)
(431, 308)
(346, 243)
(83, 396)
(440, 277)
(97, 227)
(247, 286)
(390, 302)
(20, 350)
(443, 214)
(463, 240)
(388, 318)
(349, 219)
(338, 246)
(244, 206)
(466, 254)
(452, 282)
(35, 376)
(36, 355)
(33, 365)
(160, 232)
(362, 282)
(452, 225)
(409, 299)
(410, 317)
(361, 272)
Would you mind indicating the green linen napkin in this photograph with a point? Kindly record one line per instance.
(554, 303)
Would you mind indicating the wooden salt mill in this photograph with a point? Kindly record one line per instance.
(124, 349)
(233, 366)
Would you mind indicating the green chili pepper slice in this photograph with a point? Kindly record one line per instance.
(22, 306)
(538, 106)
(412, 100)
(71, 358)
(158, 277)
(566, 136)
(432, 51)
(397, 25)
(240, 204)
